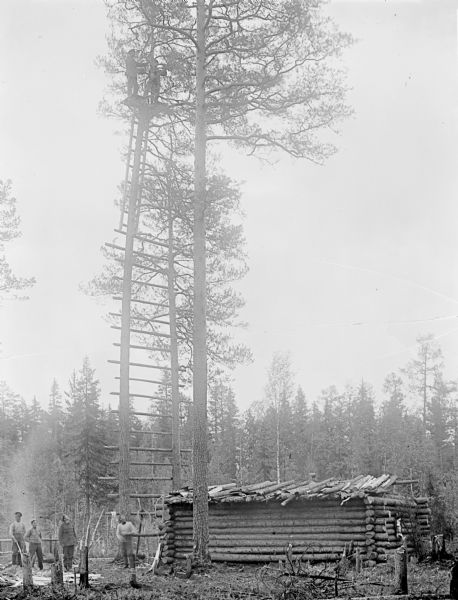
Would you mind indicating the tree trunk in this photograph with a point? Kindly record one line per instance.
(84, 567)
(175, 389)
(200, 450)
(124, 371)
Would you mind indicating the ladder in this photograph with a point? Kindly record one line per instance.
(149, 456)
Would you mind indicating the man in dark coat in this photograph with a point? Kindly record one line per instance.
(133, 68)
(67, 539)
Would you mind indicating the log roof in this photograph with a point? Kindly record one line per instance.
(343, 489)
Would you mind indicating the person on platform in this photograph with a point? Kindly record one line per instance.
(17, 534)
(153, 85)
(33, 537)
(67, 539)
(124, 532)
(133, 68)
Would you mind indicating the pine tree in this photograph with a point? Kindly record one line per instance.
(9, 230)
(84, 434)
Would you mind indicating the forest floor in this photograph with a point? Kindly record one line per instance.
(234, 582)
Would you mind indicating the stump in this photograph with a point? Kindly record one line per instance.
(57, 573)
(454, 581)
(400, 571)
(27, 579)
(84, 567)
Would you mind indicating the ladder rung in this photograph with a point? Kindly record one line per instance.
(149, 349)
(147, 396)
(136, 478)
(160, 304)
(144, 414)
(147, 283)
(137, 496)
(142, 464)
(141, 332)
(144, 449)
(148, 381)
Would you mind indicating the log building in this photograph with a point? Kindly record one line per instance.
(255, 523)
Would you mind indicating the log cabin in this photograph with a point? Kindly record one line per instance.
(320, 519)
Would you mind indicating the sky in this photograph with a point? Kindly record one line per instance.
(349, 262)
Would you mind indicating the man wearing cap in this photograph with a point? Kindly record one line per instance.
(67, 539)
(17, 534)
(33, 537)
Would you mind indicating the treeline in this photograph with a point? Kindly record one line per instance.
(411, 430)
(51, 460)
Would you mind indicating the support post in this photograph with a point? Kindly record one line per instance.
(175, 388)
(57, 572)
(200, 428)
(124, 371)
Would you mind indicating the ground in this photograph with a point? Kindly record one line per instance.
(230, 582)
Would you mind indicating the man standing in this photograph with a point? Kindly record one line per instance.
(33, 537)
(124, 532)
(17, 533)
(133, 68)
(67, 539)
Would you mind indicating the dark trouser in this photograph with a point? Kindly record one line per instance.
(68, 557)
(127, 553)
(132, 86)
(36, 549)
(19, 543)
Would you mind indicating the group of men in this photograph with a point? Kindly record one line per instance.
(20, 536)
(153, 71)
(67, 539)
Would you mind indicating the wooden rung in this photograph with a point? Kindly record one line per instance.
(147, 396)
(136, 364)
(145, 414)
(142, 332)
(142, 464)
(138, 252)
(145, 239)
(137, 496)
(160, 304)
(147, 381)
(149, 349)
(140, 266)
(147, 283)
(146, 320)
(145, 431)
(136, 478)
(144, 449)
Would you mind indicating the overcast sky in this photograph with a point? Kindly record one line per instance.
(349, 262)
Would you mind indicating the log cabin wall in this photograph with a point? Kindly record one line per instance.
(260, 531)
(256, 523)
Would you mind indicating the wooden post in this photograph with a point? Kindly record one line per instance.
(27, 579)
(358, 560)
(175, 389)
(124, 370)
(400, 571)
(84, 567)
(57, 572)
(200, 422)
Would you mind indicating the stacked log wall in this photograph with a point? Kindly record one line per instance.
(414, 515)
(260, 532)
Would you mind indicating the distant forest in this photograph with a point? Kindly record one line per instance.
(50, 460)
